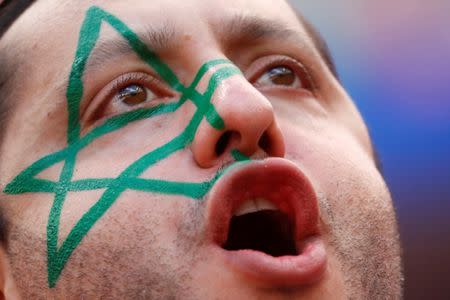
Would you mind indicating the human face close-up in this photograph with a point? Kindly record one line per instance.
(188, 150)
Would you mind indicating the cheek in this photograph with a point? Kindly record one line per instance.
(356, 210)
(30, 135)
(109, 155)
(139, 219)
(180, 167)
(138, 231)
(343, 174)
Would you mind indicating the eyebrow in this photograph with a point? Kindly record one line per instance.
(158, 39)
(244, 29)
(239, 29)
(248, 29)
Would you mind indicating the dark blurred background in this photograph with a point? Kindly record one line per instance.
(394, 59)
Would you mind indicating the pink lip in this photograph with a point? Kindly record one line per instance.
(281, 182)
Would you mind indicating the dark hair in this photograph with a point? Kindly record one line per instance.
(10, 10)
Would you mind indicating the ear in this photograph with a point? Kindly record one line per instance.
(8, 290)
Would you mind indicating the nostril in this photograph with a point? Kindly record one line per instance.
(264, 142)
(226, 139)
(223, 142)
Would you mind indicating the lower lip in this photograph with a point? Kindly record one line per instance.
(285, 185)
(284, 271)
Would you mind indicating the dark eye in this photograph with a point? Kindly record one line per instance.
(134, 94)
(279, 75)
(128, 92)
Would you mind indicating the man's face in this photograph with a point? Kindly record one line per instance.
(195, 150)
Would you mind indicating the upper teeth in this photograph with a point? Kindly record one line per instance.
(254, 205)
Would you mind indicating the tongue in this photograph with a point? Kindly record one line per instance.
(268, 231)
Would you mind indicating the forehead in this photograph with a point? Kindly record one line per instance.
(181, 13)
(47, 23)
(52, 27)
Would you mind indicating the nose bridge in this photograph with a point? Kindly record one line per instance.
(245, 113)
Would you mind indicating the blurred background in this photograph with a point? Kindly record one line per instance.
(394, 60)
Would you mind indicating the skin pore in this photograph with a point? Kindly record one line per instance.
(110, 199)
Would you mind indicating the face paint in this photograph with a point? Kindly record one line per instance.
(27, 182)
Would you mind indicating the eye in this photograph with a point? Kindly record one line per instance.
(130, 91)
(134, 94)
(281, 72)
(279, 75)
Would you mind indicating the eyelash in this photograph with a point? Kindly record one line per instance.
(152, 83)
(127, 79)
(283, 61)
(107, 96)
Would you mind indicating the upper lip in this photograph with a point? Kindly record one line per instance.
(277, 180)
(284, 184)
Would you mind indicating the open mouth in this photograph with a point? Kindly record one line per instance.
(259, 225)
(264, 218)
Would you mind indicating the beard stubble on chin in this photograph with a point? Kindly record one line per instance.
(362, 230)
(166, 270)
(116, 259)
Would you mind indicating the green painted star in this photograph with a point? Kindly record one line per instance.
(27, 182)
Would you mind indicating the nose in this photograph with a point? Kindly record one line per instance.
(249, 125)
